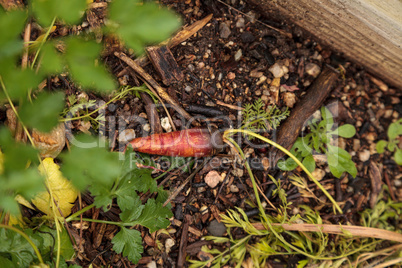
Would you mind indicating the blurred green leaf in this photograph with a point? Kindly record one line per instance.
(82, 58)
(398, 157)
(70, 11)
(340, 161)
(380, 146)
(26, 182)
(88, 164)
(43, 112)
(18, 82)
(52, 61)
(395, 129)
(346, 131)
(309, 163)
(11, 26)
(16, 156)
(139, 23)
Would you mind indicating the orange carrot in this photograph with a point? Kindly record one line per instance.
(193, 142)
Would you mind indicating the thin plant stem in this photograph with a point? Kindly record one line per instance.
(16, 113)
(12, 228)
(76, 214)
(43, 41)
(233, 131)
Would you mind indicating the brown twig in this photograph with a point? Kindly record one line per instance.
(27, 36)
(153, 116)
(338, 229)
(162, 93)
(183, 242)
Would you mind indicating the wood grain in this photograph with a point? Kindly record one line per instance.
(368, 32)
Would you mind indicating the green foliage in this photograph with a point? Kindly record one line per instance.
(319, 248)
(257, 117)
(138, 24)
(88, 165)
(394, 143)
(17, 252)
(322, 133)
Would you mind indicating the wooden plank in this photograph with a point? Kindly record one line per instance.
(368, 32)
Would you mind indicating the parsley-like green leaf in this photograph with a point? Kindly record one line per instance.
(128, 242)
(340, 161)
(154, 216)
(68, 10)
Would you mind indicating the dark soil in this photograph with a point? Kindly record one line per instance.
(228, 60)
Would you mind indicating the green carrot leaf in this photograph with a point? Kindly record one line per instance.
(398, 157)
(68, 10)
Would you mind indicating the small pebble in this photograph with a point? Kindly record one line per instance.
(201, 65)
(318, 174)
(188, 89)
(212, 178)
(216, 228)
(224, 30)
(166, 124)
(290, 99)
(277, 70)
(234, 189)
(146, 127)
(312, 69)
(240, 23)
(126, 135)
(256, 73)
(231, 76)
(238, 55)
(191, 68)
(364, 155)
(247, 37)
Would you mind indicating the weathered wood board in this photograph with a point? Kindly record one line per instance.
(368, 32)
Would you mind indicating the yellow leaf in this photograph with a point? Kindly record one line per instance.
(64, 194)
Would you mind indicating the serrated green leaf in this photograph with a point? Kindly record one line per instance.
(128, 242)
(380, 146)
(88, 164)
(43, 112)
(346, 131)
(340, 161)
(48, 234)
(139, 24)
(287, 165)
(398, 157)
(68, 10)
(133, 210)
(154, 216)
(81, 57)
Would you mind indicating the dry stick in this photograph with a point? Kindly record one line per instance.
(178, 190)
(162, 93)
(180, 37)
(183, 242)
(338, 229)
(316, 94)
(153, 116)
(27, 36)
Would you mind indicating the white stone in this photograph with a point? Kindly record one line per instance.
(166, 124)
(126, 135)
